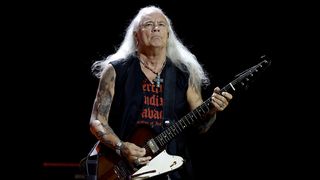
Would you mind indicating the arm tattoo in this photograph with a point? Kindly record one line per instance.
(105, 96)
(106, 141)
(108, 129)
(100, 134)
(108, 132)
(103, 106)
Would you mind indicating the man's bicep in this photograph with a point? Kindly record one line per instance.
(105, 94)
(194, 98)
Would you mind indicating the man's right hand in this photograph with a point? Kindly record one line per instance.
(134, 154)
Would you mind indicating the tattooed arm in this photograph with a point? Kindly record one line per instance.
(99, 125)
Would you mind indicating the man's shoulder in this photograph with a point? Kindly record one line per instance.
(123, 61)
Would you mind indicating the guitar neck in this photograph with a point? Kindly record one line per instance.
(160, 141)
(179, 126)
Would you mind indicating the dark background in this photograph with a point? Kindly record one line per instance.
(54, 45)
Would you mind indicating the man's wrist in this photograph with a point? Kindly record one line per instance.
(118, 147)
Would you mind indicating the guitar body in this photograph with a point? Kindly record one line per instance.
(112, 166)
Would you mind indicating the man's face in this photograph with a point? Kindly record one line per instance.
(153, 31)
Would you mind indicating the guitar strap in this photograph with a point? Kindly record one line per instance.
(169, 94)
(169, 101)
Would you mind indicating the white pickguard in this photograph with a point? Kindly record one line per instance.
(160, 164)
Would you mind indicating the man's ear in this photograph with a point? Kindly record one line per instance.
(135, 34)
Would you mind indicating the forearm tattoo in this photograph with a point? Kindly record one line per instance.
(108, 131)
(100, 134)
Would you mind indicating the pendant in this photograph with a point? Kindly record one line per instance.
(158, 80)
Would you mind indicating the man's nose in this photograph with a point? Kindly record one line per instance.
(156, 28)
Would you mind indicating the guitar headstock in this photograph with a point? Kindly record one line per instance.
(249, 75)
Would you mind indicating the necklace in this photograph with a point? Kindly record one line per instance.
(157, 79)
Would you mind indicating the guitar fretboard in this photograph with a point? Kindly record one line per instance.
(172, 131)
(197, 114)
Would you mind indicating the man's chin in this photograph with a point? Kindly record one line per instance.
(157, 44)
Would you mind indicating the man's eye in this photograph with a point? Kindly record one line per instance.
(149, 24)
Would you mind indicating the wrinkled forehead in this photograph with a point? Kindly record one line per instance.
(153, 16)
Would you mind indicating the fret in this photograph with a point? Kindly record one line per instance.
(183, 120)
(182, 123)
(194, 115)
(164, 137)
(197, 110)
(168, 134)
(179, 129)
(158, 140)
(188, 119)
(173, 130)
(203, 111)
(161, 140)
(207, 103)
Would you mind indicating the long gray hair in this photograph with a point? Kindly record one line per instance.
(176, 51)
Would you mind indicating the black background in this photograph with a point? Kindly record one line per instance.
(53, 45)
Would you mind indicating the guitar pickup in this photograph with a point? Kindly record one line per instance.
(153, 146)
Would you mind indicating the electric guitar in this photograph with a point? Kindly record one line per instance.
(114, 167)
